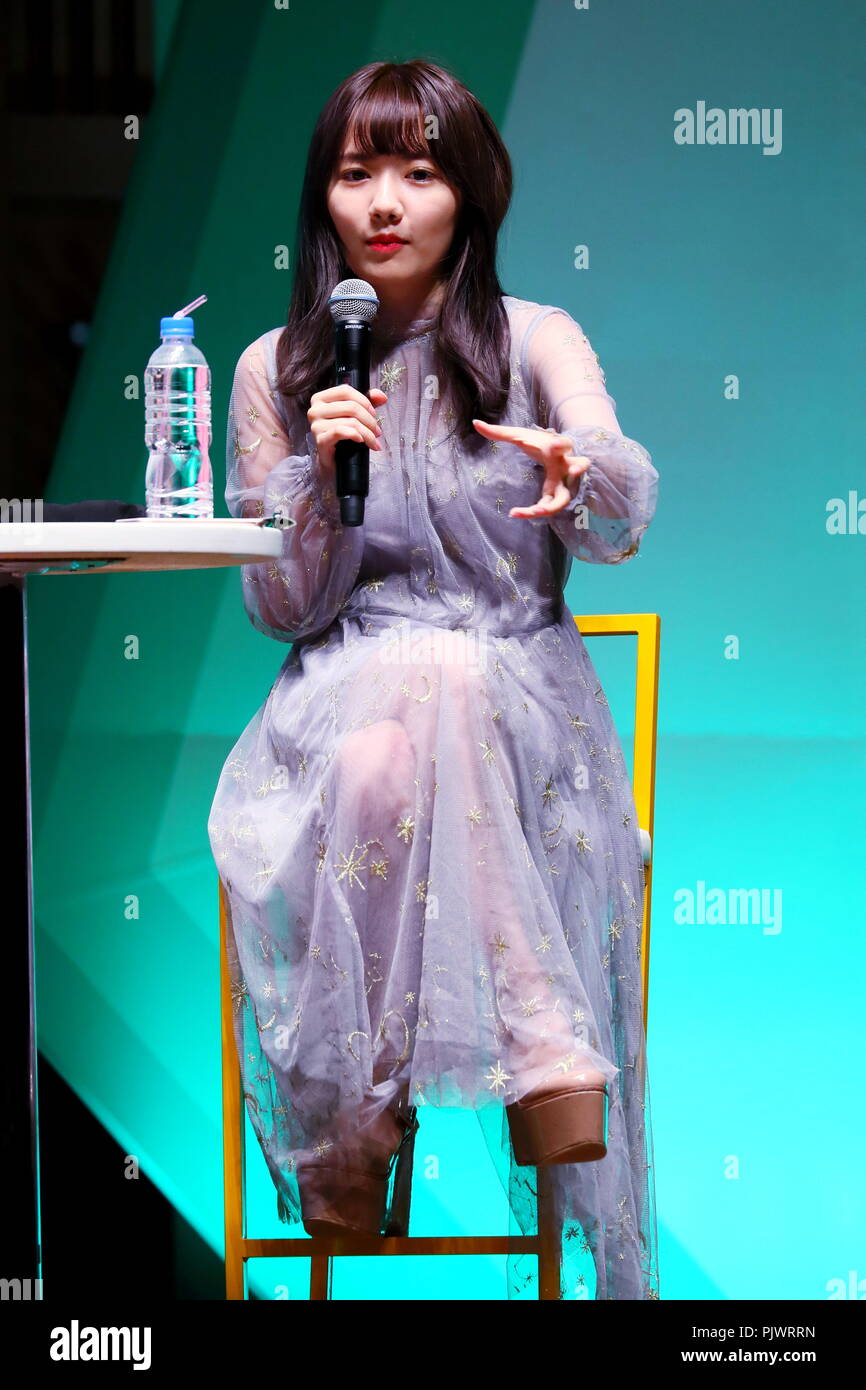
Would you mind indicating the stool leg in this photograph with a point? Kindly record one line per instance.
(320, 1277)
(233, 1120)
(549, 1247)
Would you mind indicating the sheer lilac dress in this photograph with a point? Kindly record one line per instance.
(427, 833)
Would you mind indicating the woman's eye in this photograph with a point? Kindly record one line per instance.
(426, 175)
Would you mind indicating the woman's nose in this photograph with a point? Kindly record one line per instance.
(384, 196)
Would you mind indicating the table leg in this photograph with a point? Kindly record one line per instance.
(20, 1241)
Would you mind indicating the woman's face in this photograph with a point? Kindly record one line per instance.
(393, 196)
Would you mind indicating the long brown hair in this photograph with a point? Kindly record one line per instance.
(386, 106)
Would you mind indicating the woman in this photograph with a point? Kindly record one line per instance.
(427, 833)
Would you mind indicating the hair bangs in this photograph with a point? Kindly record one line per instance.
(388, 120)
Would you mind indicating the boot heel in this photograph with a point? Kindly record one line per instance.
(563, 1127)
(401, 1197)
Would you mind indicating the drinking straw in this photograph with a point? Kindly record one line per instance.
(182, 313)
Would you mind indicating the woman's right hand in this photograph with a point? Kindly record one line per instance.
(341, 412)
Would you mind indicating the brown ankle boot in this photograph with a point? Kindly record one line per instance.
(350, 1197)
(561, 1122)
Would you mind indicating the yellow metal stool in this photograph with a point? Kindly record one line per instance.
(320, 1250)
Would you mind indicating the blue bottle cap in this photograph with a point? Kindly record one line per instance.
(176, 328)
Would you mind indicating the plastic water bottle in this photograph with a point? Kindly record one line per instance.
(177, 394)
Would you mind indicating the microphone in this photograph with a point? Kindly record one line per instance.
(353, 305)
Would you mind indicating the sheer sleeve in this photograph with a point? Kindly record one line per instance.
(300, 592)
(615, 497)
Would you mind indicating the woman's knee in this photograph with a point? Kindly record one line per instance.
(377, 763)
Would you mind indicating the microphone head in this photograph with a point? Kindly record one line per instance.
(353, 300)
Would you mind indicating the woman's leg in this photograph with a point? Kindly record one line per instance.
(534, 1007)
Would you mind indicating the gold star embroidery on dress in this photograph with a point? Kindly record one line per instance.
(350, 866)
(390, 375)
(549, 792)
(240, 994)
(581, 842)
(576, 722)
(421, 891)
(406, 829)
(500, 945)
(473, 816)
(497, 1077)
(529, 1006)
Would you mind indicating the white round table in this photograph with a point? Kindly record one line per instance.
(29, 548)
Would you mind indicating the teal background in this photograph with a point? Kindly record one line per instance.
(705, 261)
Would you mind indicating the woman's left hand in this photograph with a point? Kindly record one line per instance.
(561, 466)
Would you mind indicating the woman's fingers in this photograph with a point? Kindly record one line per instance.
(514, 434)
(345, 392)
(344, 400)
(554, 451)
(560, 496)
(342, 410)
(547, 504)
(344, 427)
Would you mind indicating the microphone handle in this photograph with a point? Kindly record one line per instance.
(351, 457)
